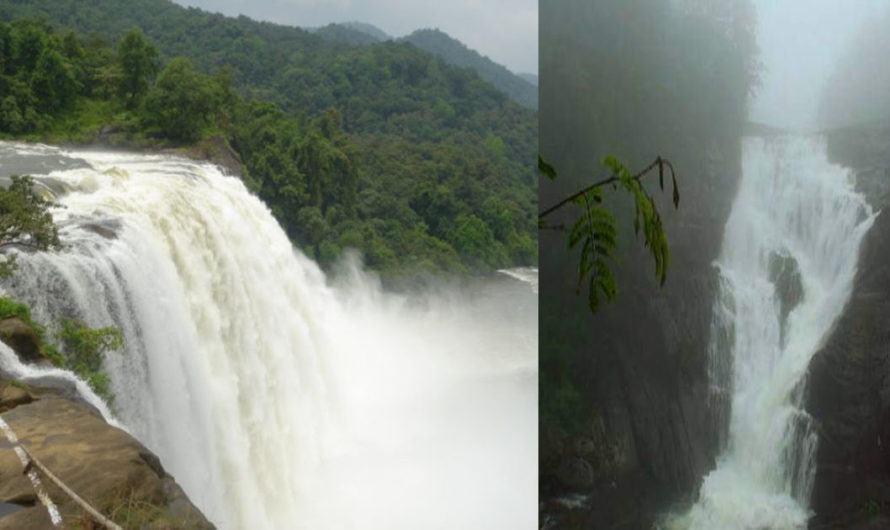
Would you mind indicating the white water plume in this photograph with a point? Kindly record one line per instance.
(787, 266)
(276, 397)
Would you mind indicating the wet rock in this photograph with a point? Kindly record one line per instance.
(551, 441)
(107, 131)
(107, 228)
(575, 472)
(12, 396)
(784, 272)
(111, 470)
(583, 446)
(217, 150)
(21, 338)
(849, 378)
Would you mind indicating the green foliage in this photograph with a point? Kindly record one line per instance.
(362, 136)
(36, 77)
(454, 52)
(595, 230)
(183, 102)
(25, 221)
(138, 61)
(84, 350)
(646, 214)
(473, 238)
(14, 308)
(546, 168)
(18, 384)
(559, 399)
(53, 81)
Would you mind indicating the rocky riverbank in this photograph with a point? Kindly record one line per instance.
(107, 467)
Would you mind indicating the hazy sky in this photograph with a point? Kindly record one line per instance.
(504, 30)
(800, 42)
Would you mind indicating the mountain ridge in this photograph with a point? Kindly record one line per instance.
(521, 87)
(425, 166)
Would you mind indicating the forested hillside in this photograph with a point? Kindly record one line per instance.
(356, 36)
(520, 88)
(455, 52)
(531, 78)
(385, 148)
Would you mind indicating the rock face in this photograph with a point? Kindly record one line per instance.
(21, 338)
(107, 467)
(849, 379)
(218, 151)
(649, 434)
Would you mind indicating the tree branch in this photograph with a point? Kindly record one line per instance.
(658, 162)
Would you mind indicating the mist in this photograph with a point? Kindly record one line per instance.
(636, 382)
(802, 47)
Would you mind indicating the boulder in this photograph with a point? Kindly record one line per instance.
(575, 472)
(22, 338)
(12, 396)
(106, 466)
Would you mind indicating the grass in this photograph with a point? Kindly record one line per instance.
(130, 511)
(18, 384)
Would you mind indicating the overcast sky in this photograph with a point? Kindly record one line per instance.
(800, 42)
(504, 30)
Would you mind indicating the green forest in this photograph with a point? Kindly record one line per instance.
(420, 165)
(518, 87)
(455, 52)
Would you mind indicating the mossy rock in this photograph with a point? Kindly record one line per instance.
(22, 338)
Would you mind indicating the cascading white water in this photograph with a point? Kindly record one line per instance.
(787, 266)
(276, 398)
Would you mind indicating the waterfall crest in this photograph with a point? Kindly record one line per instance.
(276, 399)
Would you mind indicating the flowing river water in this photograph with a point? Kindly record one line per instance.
(276, 396)
(787, 265)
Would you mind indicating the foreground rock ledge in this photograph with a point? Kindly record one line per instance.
(106, 466)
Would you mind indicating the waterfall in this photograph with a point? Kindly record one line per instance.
(786, 268)
(276, 396)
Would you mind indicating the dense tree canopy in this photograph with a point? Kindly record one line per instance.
(383, 147)
(183, 103)
(138, 61)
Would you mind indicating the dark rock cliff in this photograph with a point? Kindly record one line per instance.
(649, 434)
(849, 378)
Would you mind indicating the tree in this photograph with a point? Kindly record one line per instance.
(25, 221)
(183, 102)
(53, 81)
(595, 231)
(324, 156)
(84, 351)
(138, 60)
